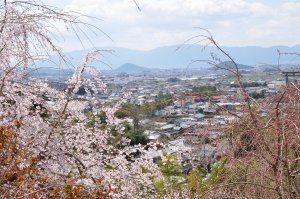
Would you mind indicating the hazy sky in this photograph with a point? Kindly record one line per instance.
(167, 22)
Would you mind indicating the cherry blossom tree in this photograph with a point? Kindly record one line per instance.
(51, 150)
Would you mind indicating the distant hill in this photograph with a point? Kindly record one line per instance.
(230, 64)
(168, 57)
(45, 71)
(131, 68)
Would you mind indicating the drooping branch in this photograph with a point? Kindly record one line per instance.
(218, 63)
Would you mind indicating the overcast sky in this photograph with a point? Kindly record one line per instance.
(166, 22)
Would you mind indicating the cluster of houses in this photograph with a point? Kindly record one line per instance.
(193, 125)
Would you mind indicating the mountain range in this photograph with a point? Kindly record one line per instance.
(182, 56)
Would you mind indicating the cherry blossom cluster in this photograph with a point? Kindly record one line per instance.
(52, 124)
